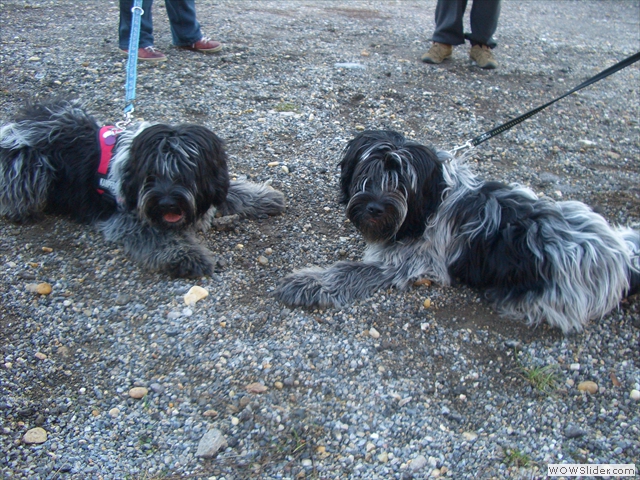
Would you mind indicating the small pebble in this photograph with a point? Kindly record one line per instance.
(585, 144)
(256, 387)
(588, 386)
(573, 431)
(123, 299)
(418, 463)
(373, 333)
(40, 288)
(635, 395)
(138, 392)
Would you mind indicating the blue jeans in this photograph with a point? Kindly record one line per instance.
(185, 29)
(484, 22)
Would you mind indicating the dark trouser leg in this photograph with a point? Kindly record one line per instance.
(484, 22)
(146, 24)
(185, 28)
(449, 15)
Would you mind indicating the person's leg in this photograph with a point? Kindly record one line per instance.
(185, 28)
(484, 22)
(146, 24)
(449, 29)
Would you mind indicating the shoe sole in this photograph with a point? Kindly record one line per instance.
(432, 61)
(211, 50)
(151, 60)
(489, 66)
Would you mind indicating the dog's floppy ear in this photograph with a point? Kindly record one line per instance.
(350, 158)
(211, 173)
(427, 196)
(429, 169)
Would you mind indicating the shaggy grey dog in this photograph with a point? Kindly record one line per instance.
(423, 213)
(149, 188)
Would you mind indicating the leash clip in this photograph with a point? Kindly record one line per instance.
(463, 149)
(128, 114)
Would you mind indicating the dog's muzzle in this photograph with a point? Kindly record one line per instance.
(169, 208)
(377, 217)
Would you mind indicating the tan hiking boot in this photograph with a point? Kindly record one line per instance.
(437, 53)
(481, 54)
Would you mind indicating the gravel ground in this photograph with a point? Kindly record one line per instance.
(386, 388)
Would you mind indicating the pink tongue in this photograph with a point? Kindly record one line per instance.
(172, 217)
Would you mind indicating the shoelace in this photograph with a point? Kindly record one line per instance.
(202, 40)
(150, 49)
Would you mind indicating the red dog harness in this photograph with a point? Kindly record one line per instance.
(107, 138)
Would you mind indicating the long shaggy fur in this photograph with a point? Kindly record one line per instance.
(166, 182)
(423, 213)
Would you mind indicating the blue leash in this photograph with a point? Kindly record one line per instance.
(132, 62)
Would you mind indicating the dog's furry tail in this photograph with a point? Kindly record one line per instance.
(25, 173)
(252, 200)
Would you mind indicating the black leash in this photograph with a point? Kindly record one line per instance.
(511, 123)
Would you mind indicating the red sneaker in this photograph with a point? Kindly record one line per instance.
(149, 54)
(205, 45)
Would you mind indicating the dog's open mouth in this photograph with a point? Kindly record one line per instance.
(172, 217)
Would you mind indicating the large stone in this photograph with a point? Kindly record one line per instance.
(211, 443)
(195, 294)
(35, 435)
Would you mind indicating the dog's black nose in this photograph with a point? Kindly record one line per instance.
(375, 209)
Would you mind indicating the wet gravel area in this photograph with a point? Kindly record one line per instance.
(110, 375)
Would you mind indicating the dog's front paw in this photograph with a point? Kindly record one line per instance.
(191, 265)
(272, 201)
(304, 289)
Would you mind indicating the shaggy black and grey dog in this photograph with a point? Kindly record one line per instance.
(163, 182)
(423, 213)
